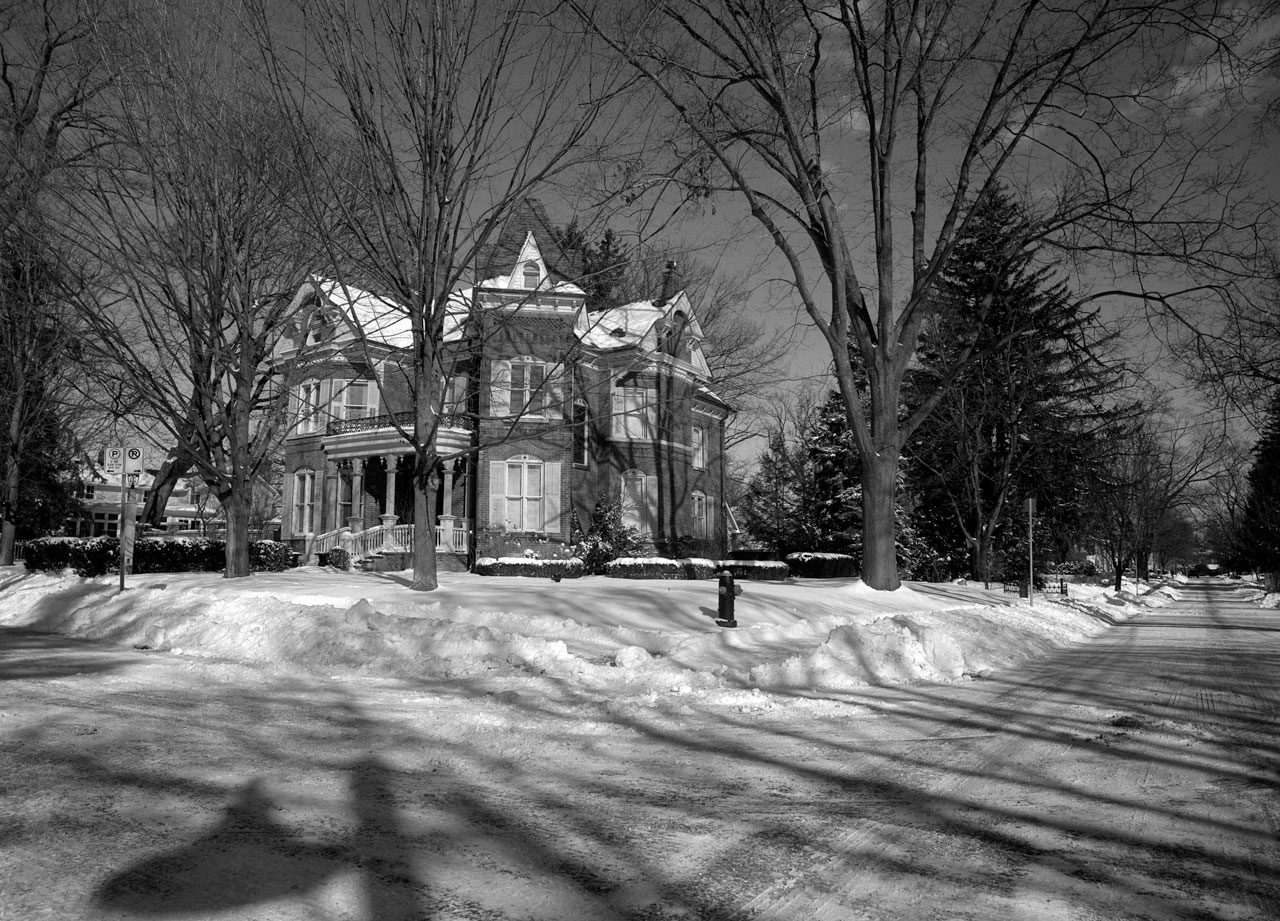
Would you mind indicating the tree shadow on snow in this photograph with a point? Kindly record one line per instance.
(250, 858)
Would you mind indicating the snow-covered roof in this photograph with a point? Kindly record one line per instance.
(375, 318)
(641, 325)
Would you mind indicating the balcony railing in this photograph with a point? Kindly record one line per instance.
(390, 420)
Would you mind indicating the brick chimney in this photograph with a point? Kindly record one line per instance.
(670, 279)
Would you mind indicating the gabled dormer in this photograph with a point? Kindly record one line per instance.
(666, 334)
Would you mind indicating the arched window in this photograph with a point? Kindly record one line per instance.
(531, 275)
(304, 501)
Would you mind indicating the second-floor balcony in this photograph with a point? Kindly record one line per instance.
(390, 420)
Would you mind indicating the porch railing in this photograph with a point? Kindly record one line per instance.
(452, 536)
(389, 420)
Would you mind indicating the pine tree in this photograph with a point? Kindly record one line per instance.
(1013, 422)
(1259, 536)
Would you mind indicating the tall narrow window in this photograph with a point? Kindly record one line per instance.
(699, 447)
(308, 407)
(344, 497)
(524, 495)
(527, 387)
(356, 400)
(581, 435)
(635, 413)
(304, 502)
(699, 515)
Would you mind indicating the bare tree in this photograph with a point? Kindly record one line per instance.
(861, 137)
(458, 111)
(194, 221)
(48, 75)
(1147, 475)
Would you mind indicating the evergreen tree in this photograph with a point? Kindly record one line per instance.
(1012, 423)
(1259, 532)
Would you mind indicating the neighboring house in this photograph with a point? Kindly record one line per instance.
(549, 408)
(189, 507)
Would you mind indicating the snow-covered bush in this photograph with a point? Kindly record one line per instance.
(758, 570)
(645, 568)
(96, 556)
(607, 538)
(339, 558)
(521, 566)
(88, 556)
(822, 565)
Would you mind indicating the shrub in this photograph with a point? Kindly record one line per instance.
(756, 570)
(698, 568)
(822, 565)
(48, 554)
(96, 556)
(645, 568)
(522, 566)
(275, 557)
(339, 558)
(607, 538)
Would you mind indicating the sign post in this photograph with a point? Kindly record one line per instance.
(127, 462)
(1031, 566)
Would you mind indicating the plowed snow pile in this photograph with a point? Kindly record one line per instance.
(627, 641)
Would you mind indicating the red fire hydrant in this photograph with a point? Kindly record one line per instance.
(728, 593)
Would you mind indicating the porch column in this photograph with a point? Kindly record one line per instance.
(445, 540)
(357, 495)
(330, 521)
(389, 517)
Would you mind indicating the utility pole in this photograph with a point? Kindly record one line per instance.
(1031, 565)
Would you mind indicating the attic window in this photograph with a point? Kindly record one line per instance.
(531, 275)
(618, 332)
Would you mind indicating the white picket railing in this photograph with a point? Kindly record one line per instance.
(453, 537)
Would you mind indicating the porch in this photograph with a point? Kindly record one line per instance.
(367, 548)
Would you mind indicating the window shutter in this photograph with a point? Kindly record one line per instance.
(711, 519)
(617, 426)
(497, 494)
(650, 517)
(500, 389)
(551, 497)
(286, 508)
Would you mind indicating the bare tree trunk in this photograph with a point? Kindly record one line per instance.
(424, 533)
(172, 470)
(12, 478)
(9, 528)
(235, 506)
(879, 551)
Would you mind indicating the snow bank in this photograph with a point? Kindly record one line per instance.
(628, 642)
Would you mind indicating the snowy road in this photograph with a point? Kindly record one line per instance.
(1136, 776)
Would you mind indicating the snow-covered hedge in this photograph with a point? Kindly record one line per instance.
(96, 556)
(339, 558)
(758, 570)
(523, 566)
(822, 565)
(653, 567)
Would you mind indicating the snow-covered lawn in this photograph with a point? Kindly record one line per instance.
(622, 642)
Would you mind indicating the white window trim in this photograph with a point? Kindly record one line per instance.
(700, 529)
(304, 497)
(308, 408)
(635, 415)
(699, 435)
(531, 507)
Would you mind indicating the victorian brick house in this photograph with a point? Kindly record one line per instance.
(549, 407)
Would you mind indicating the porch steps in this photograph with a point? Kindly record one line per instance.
(446, 561)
